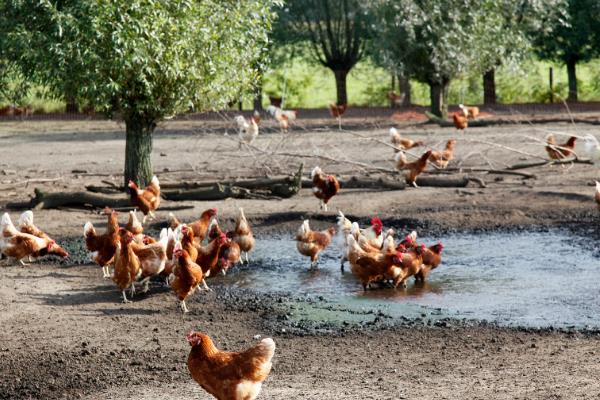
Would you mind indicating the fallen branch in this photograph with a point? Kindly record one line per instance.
(256, 189)
(548, 162)
(436, 181)
(44, 200)
(217, 192)
(491, 171)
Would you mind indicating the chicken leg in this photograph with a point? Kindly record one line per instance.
(183, 307)
(247, 259)
(146, 283)
(206, 286)
(125, 298)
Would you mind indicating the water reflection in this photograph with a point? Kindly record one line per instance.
(532, 279)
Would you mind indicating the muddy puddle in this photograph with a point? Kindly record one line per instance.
(530, 279)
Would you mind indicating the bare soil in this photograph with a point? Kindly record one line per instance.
(65, 334)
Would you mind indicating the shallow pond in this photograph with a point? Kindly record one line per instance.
(531, 279)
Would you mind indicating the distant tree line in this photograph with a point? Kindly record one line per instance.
(436, 41)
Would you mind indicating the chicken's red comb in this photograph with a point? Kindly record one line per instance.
(190, 336)
(376, 221)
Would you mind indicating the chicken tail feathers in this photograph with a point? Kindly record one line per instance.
(26, 218)
(88, 229)
(316, 171)
(6, 225)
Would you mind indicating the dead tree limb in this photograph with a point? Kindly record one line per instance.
(525, 175)
(44, 200)
(442, 182)
(548, 162)
(256, 189)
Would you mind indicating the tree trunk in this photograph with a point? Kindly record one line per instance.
(572, 74)
(439, 98)
(138, 149)
(71, 106)
(393, 91)
(489, 87)
(340, 84)
(405, 90)
(258, 94)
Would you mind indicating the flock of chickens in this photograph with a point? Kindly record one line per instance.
(185, 255)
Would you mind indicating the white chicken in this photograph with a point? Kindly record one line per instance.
(247, 129)
(344, 229)
(591, 147)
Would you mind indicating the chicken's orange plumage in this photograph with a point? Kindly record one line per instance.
(373, 265)
(337, 110)
(208, 256)
(26, 225)
(443, 157)
(127, 264)
(229, 375)
(103, 247)
(460, 121)
(187, 276)
(242, 234)
(432, 258)
(411, 262)
(152, 256)
(469, 112)
(559, 151)
(324, 186)
(200, 227)
(311, 243)
(415, 168)
(229, 254)
(402, 143)
(19, 245)
(146, 200)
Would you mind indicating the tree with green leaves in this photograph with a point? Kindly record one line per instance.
(572, 41)
(436, 41)
(508, 35)
(336, 30)
(433, 41)
(142, 61)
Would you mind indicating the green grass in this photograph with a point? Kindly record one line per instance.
(307, 85)
(311, 86)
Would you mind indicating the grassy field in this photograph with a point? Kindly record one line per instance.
(307, 85)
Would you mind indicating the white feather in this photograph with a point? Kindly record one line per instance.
(88, 227)
(155, 180)
(26, 218)
(315, 171)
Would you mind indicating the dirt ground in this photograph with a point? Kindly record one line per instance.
(64, 333)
